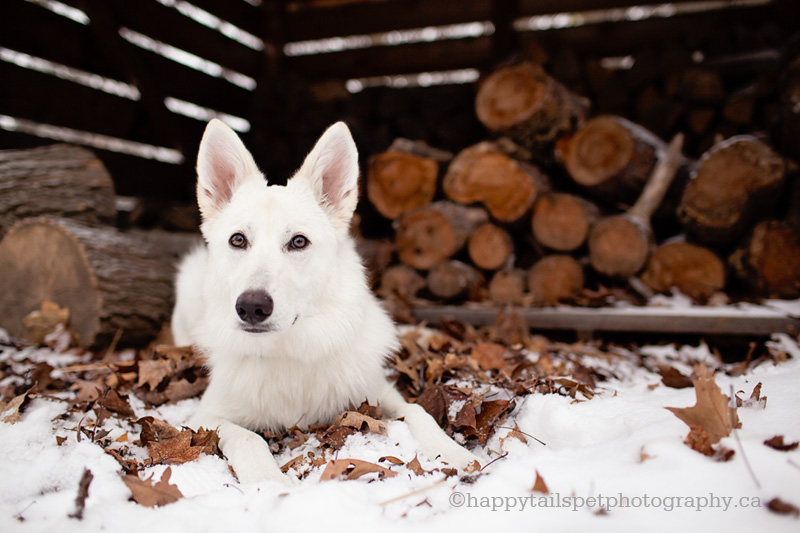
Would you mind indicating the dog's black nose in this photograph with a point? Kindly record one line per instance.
(254, 307)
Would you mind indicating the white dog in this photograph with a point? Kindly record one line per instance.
(278, 303)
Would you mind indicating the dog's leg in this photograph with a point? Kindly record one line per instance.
(433, 440)
(247, 452)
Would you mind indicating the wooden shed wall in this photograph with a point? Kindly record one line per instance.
(289, 99)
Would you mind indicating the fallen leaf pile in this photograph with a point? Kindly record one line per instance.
(471, 380)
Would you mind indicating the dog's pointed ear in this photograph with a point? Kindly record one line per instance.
(331, 170)
(223, 164)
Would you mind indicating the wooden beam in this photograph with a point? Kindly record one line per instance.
(749, 320)
(387, 60)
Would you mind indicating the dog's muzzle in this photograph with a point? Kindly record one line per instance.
(254, 307)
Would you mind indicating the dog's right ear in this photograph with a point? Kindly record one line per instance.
(223, 164)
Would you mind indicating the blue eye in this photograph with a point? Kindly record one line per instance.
(238, 240)
(299, 242)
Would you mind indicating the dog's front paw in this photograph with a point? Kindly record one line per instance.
(255, 471)
(462, 459)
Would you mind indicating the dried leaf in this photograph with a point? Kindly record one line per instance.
(353, 469)
(174, 451)
(491, 413)
(489, 356)
(44, 320)
(152, 494)
(776, 505)
(539, 485)
(183, 389)
(392, 459)
(776, 443)
(416, 467)
(83, 493)
(514, 434)
(153, 372)
(14, 408)
(671, 377)
(117, 403)
(359, 422)
(87, 391)
(712, 411)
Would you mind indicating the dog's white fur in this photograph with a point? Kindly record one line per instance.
(324, 346)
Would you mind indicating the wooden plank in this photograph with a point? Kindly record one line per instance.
(169, 26)
(412, 58)
(56, 38)
(44, 98)
(372, 17)
(749, 320)
(237, 12)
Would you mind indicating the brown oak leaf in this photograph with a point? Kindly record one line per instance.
(776, 505)
(359, 422)
(515, 433)
(776, 443)
(539, 485)
(117, 403)
(353, 469)
(712, 411)
(150, 494)
(14, 408)
(489, 356)
(491, 413)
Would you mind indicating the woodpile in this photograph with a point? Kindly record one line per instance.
(64, 258)
(557, 206)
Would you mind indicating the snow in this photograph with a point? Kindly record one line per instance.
(621, 446)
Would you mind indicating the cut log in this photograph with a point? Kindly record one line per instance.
(490, 246)
(59, 180)
(454, 280)
(398, 289)
(484, 174)
(620, 245)
(112, 283)
(435, 232)
(526, 104)
(376, 255)
(562, 221)
(734, 181)
(695, 271)
(790, 108)
(399, 181)
(610, 157)
(554, 279)
(769, 260)
(507, 287)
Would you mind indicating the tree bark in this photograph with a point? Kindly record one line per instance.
(734, 181)
(529, 106)
(695, 271)
(484, 174)
(490, 246)
(562, 221)
(59, 180)
(435, 232)
(111, 282)
(554, 279)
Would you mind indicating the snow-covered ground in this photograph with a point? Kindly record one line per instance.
(616, 462)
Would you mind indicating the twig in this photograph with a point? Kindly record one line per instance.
(526, 434)
(413, 492)
(739, 442)
(493, 461)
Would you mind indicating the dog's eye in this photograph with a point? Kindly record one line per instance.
(298, 242)
(238, 240)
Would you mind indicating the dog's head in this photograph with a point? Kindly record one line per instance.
(275, 252)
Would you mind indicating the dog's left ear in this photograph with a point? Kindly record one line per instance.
(331, 170)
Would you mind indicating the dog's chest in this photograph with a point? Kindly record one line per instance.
(263, 393)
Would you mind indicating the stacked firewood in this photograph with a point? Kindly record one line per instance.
(559, 204)
(64, 261)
